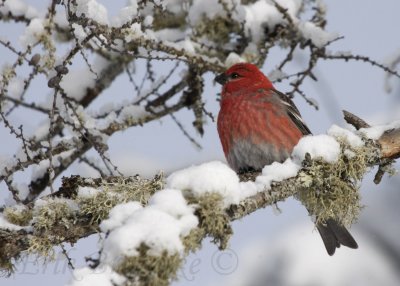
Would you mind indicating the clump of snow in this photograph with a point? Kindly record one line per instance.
(375, 132)
(23, 190)
(18, 8)
(318, 146)
(39, 169)
(79, 32)
(102, 275)
(232, 59)
(76, 82)
(160, 226)
(346, 135)
(133, 112)
(126, 14)
(317, 36)
(93, 10)
(211, 177)
(204, 8)
(349, 154)
(119, 214)
(174, 6)
(278, 172)
(87, 192)
(135, 31)
(216, 177)
(258, 15)
(32, 33)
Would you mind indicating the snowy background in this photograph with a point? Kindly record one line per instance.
(272, 247)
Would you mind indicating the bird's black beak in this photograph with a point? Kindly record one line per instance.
(221, 78)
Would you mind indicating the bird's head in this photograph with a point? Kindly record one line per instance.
(243, 76)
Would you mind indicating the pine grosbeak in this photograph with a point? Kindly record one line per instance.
(258, 125)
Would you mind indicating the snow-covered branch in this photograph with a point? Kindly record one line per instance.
(150, 225)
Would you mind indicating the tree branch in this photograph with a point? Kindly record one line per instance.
(50, 231)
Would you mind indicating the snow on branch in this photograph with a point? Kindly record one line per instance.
(151, 225)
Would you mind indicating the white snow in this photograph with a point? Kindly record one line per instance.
(346, 135)
(278, 172)
(87, 192)
(132, 112)
(318, 146)
(375, 132)
(259, 15)
(23, 190)
(103, 275)
(232, 59)
(204, 8)
(211, 177)
(118, 215)
(135, 32)
(39, 169)
(317, 36)
(93, 10)
(18, 8)
(126, 14)
(76, 82)
(160, 226)
(217, 177)
(32, 33)
(174, 6)
(79, 32)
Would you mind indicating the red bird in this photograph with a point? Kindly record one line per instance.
(258, 125)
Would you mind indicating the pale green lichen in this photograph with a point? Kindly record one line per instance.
(166, 19)
(192, 241)
(217, 29)
(120, 191)
(213, 220)
(331, 190)
(42, 247)
(18, 215)
(149, 270)
(54, 213)
(51, 219)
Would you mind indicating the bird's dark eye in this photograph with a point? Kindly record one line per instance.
(235, 75)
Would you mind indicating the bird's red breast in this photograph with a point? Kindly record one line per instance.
(254, 129)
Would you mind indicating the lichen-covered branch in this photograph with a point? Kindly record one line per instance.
(79, 206)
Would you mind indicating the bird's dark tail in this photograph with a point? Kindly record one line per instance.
(333, 235)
